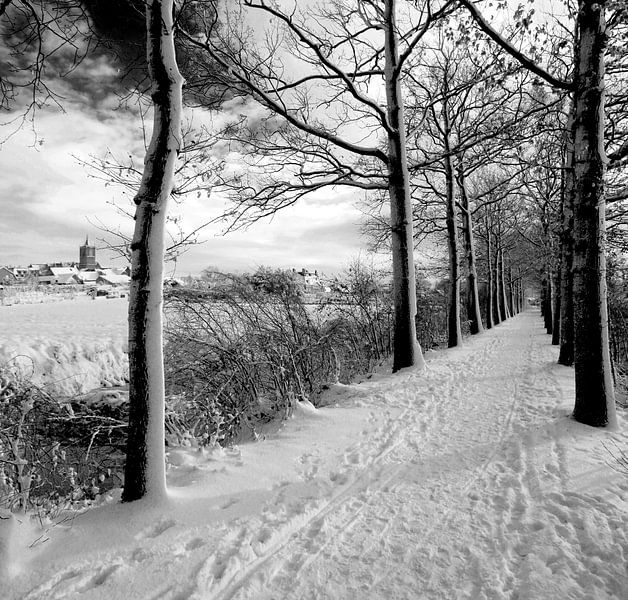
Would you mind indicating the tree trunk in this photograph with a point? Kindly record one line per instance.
(490, 320)
(502, 280)
(595, 401)
(406, 351)
(454, 331)
(556, 301)
(566, 352)
(473, 297)
(497, 304)
(547, 300)
(145, 460)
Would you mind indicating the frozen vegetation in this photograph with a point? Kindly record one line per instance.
(467, 480)
(70, 347)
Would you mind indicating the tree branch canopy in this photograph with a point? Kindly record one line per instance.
(492, 33)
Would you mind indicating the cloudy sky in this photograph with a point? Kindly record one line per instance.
(50, 203)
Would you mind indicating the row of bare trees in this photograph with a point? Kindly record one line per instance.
(436, 116)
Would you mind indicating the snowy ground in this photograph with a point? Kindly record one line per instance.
(465, 481)
(69, 347)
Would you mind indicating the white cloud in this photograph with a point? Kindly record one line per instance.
(48, 202)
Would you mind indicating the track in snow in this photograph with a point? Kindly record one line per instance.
(459, 494)
(461, 488)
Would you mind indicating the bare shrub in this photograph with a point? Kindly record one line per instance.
(52, 454)
(241, 355)
(432, 314)
(242, 352)
(358, 316)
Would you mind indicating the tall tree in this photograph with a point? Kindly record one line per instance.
(345, 55)
(595, 398)
(473, 296)
(145, 461)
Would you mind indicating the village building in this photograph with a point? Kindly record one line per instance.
(87, 256)
(308, 279)
(59, 275)
(86, 273)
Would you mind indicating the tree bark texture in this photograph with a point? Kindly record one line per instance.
(145, 461)
(566, 352)
(595, 403)
(556, 301)
(497, 297)
(406, 349)
(502, 280)
(474, 313)
(454, 330)
(546, 300)
(490, 315)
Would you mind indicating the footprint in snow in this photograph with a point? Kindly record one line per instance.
(73, 582)
(228, 503)
(140, 555)
(156, 529)
(339, 478)
(100, 577)
(352, 458)
(195, 543)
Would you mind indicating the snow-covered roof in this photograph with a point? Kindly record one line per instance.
(64, 271)
(88, 276)
(109, 276)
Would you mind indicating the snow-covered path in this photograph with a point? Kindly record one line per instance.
(467, 480)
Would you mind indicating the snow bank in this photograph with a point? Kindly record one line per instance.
(69, 347)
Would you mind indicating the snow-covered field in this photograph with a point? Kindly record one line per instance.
(69, 347)
(465, 481)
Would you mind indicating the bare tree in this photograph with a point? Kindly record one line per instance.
(145, 461)
(326, 126)
(469, 110)
(595, 398)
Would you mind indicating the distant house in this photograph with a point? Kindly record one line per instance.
(110, 277)
(59, 276)
(308, 279)
(88, 277)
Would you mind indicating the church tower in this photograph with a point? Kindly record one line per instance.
(87, 256)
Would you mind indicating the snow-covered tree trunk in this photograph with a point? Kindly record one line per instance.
(454, 330)
(502, 281)
(406, 349)
(510, 294)
(556, 302)
(521, 290)
(145, 461)
(490, 315)
(516, 293)
(497, 304)
(595, 398)
(473, 296)
(565, 356)
(546, 300)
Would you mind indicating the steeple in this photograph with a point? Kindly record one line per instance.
(87, 256)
